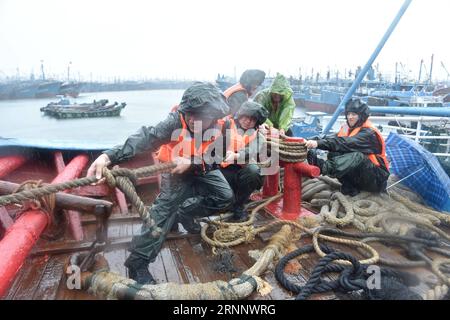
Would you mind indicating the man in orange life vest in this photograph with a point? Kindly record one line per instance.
(357, 154)
(193, 188)
(240, 92)
(245, 145)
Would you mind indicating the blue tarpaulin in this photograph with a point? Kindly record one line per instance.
(426, 176)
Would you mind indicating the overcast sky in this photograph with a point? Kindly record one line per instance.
(196, 39)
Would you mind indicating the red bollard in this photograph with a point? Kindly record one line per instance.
(292, 200)
(10, 163)
(17, 243)
(289, 207)
(293, 173)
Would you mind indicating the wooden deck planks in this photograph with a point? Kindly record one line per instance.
(51, 278)
(182, 260)
(27, 279)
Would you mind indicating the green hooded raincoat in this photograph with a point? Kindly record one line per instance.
(281, 117)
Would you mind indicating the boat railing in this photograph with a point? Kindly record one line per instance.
(418, 134)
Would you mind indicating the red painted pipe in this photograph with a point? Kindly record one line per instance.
(17, 243)
(71, 171)
(10, 163)
(23, 234)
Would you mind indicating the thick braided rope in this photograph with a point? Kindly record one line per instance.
(315, 284)
(374, 254)
(420, 208)
(108, 285)
(247, 233)
(53, 188)
(436, 267)
(419, 221)
(437, 293)
(45, 204)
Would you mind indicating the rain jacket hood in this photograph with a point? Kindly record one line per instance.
(281, 86)
(254, 110)
(280, 117)
(252, 77)
(206, 99)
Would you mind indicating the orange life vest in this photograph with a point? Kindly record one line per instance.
(233, 89)
(237, 142)
(347, 132)
(183, 147)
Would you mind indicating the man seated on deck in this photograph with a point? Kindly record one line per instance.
(245, 144)
(193, 188)
(357, 153)
(279, 103)
(240, 92)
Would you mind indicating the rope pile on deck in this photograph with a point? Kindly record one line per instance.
(392, 219)
(105, 284)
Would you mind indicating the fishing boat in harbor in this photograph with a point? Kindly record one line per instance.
(66, 110)
(71, 89)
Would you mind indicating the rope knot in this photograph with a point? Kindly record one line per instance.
(353, 278)
(46, 204)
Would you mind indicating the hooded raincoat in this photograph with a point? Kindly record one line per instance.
(201, 191)
(280, 117)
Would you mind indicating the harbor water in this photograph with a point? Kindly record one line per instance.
(22, 119)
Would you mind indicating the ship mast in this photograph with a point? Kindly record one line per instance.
(42, 69)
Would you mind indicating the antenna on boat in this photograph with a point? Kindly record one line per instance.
(68, 71)
(364, 70)
(431, 68)
(420, 71)
(42, 70)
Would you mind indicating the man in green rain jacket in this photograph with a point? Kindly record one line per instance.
(279, 103)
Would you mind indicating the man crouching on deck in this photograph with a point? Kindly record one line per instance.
(193, 188)
(357, 153)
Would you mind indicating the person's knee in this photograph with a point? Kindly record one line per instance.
(251, 175)
(357, 157)
(225, 199)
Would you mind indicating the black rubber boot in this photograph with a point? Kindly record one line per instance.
(313, 160)
(240, 215)
(349, 190)
(190, 225)
(175, 227)
(138, 271)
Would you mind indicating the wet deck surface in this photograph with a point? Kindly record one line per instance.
(183, 259)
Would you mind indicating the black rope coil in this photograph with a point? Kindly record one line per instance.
(353, 278)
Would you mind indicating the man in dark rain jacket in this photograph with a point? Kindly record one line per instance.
(245, 146)
(357, 154)
(239, 93)
(193, 188)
